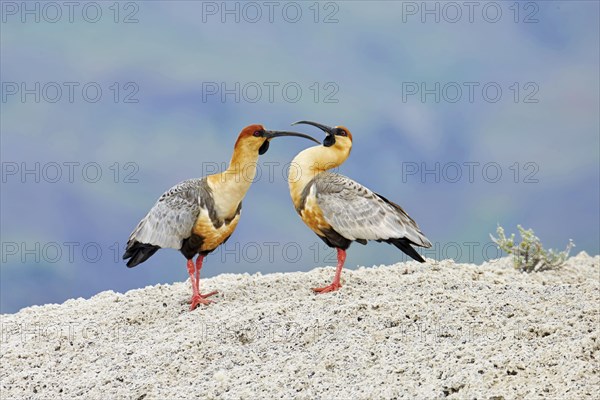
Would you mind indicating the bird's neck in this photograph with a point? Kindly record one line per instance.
(309, 163)
(230, 186)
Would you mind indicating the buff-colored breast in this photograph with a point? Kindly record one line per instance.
(213, 237)
(312, 216)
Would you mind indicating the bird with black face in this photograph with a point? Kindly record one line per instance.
(341, 211)
(198, 215)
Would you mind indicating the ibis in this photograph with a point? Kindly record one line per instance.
(197, 215)
(341, 211)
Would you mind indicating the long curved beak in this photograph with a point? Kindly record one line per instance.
(274, 134)
(328, 130)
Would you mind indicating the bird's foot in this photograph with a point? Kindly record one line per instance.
(198, 299)
(335, 285)
(204, 296)
(331, 288)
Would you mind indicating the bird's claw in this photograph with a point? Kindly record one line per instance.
(198, 299)
(331, 288)
(204, 296)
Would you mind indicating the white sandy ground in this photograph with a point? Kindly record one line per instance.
(408, 330)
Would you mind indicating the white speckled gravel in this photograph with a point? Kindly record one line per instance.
(404, 331)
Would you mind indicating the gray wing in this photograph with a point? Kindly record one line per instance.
(173, 216)
(357, 213)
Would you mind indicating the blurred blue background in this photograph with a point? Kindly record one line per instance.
(107, 105)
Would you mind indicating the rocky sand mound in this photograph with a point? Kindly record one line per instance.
(409, 330)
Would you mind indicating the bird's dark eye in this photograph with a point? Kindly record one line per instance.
(341, 132)
(257, 133)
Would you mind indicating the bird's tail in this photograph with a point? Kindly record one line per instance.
(405, 245)
(138, 252)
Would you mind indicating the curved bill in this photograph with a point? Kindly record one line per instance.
(274, 134)
(322, 127)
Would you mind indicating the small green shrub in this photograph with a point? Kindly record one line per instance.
(530, 255)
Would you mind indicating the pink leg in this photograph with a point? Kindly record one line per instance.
(335, 285)
(199, 261)
(191, 270)
(194, 272)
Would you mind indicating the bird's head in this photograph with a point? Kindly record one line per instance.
(338, 138)
(256, 138)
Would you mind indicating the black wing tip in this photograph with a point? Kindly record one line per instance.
(418, 257)
(405, 245)
(138, 252)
